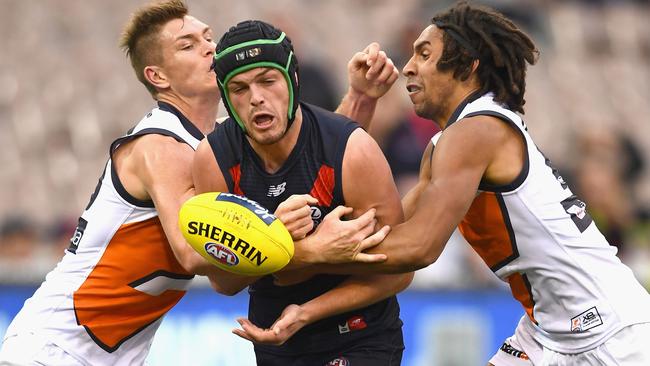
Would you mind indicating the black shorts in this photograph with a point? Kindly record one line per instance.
(383, 349)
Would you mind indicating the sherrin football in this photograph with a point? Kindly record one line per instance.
(235, 233)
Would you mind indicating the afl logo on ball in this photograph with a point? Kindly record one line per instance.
(340, 361)
(222, 254)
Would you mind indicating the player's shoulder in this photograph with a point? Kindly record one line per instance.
(156, 118)
(156, 149)
(324, 116)
(333, 128)
(487, 127)
(226, 129)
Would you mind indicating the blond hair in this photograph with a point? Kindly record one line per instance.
(141, 35)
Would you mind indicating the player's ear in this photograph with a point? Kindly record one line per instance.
(475, 64)
(156, 77)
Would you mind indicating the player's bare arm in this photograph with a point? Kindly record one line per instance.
(357, 292)
(410, 198)
(468, 151)
(371, 74)
(156, 167)
(367, 187)
(207, 177)
(367, 183)
(333, 239)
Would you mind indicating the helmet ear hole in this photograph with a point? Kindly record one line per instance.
(251, 44)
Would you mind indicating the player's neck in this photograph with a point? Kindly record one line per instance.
(202, 112)
(275, 155)
(458, 97)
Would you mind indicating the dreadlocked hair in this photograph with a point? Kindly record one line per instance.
(475, 32)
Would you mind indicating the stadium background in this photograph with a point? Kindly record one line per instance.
(66, 91)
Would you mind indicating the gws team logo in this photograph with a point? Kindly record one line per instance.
(275, 191)
(222, 254)
(577, 210)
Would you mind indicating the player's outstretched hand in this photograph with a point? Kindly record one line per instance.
(371, 72)
(289, 322)
(295, 214)
(337, 241)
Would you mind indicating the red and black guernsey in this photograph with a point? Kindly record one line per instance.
(314, 166)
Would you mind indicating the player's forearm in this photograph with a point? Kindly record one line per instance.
(408, 247)
(302, 256)
(227, 283)
(354, 293)
(223, 282)
(358, 107)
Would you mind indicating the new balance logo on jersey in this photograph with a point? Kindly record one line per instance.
(275, 191)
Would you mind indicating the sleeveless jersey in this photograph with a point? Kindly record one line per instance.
(106, 298)
(314, 166)
(536, 235)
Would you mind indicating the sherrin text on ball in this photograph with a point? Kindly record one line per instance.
(235, 233)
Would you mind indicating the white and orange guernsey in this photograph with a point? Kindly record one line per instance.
(106, 298)
(536, 235)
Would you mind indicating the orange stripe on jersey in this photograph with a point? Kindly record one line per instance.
(487, 228)
(323, 188)
(105, 304)
(520, 288)
(235, 173)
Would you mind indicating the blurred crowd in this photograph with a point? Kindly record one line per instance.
(68, 91)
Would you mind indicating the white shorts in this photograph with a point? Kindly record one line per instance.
(628, 347)
(33, 350)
